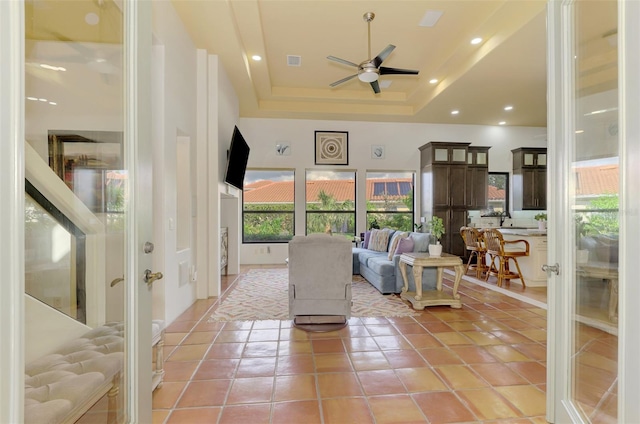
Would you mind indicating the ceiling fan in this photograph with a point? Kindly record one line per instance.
(370, 70)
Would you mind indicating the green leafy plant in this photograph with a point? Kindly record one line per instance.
(417, 227)
(374, 225)
(540, 217)
(436, 227)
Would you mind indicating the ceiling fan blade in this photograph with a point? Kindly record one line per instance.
(333, 84)
(397, 71)
(337, 59)
(383, 55)
(375, 86)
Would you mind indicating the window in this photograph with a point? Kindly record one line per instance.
(390, 200)
(498, 192)
(268, 206)
(331, 202)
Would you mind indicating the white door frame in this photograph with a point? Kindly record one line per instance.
(137, 382)
(12, 212)
(560, 121)
(629, 289)
(139, 228)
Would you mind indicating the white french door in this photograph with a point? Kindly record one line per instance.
(75, 92)
(594, 152)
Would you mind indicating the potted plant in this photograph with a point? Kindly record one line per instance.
(583, 229)
(436, 227)
(542, 220)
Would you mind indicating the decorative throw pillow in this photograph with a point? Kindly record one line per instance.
(365, 243)
(394, 242)
(421, 241)
(378, 240)
(405, 245)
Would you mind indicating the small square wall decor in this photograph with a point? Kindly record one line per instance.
(377, 151)
(332, 148)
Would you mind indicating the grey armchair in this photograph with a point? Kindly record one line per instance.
(320, 268)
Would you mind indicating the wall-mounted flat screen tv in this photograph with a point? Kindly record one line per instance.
(237, 158)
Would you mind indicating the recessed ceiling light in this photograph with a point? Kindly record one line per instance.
(508, 107)
(430, 18)
(52, 68)
(502, 123)
(53, 103)
(579, 131)
(42, 100)
(455, 112)
(256, 58)
(433, 81)
(32, 98)
(476, 40)
(92, 18)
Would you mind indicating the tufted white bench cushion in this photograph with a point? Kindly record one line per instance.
(62, 386)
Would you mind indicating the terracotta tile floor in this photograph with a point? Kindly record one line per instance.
(484, 362)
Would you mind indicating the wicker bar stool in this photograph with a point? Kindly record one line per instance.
(474, 243)
(496, 249)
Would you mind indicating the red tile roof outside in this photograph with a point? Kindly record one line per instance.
(495, 193)
(597, 180)
(590, 181)
(265, 191)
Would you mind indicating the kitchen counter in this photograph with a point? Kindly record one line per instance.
(525, 232)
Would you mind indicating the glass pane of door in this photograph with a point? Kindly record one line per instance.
(75, 214)
(594, 202)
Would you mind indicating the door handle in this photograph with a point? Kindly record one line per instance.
(551, 268)
(150, 277)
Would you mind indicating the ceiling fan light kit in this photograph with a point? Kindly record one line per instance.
(370, 70)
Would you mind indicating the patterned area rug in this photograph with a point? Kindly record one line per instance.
(263, 294)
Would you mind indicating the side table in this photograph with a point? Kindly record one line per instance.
(419, 260)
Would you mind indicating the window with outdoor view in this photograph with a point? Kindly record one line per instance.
(268, 206)
(498, 192)
(390, 200)
(331, 202)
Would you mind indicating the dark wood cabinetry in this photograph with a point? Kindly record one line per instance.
(477, 177)
(529, 178)
(444, 189)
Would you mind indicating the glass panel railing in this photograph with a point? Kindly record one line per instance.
(54, 257)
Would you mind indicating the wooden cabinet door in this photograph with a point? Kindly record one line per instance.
(458, 218)
(477, 188)
(440, 181)
(528, 189)
(457, 186)
(541, 189)
(452, 219)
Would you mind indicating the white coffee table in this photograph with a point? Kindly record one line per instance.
(437, 297)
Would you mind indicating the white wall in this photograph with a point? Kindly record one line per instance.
(174, 116)
(401, 143)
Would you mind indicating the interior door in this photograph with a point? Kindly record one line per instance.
(584, 209)
(76, 116)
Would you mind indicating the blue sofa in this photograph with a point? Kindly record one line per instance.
(384, 274)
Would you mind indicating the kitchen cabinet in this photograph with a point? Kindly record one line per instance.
(477, 178)
(529, 178)
(443, 169)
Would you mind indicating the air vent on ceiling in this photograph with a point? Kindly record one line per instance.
(294, 60)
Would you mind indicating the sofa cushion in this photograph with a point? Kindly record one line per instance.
(379, 240)
(397, 236)
(421, 241)
(381, 266)
(367, 254)
(405, 245)
(367, 237)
